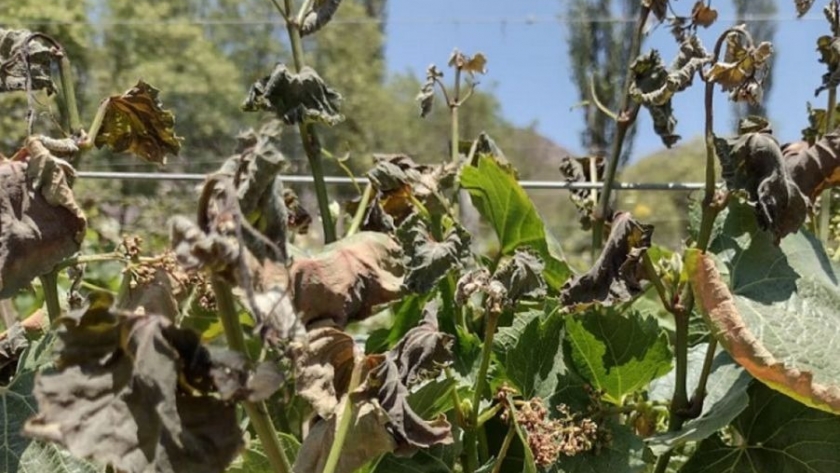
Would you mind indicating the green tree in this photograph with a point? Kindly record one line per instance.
(600, 52)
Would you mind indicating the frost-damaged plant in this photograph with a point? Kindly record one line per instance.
(484, 363)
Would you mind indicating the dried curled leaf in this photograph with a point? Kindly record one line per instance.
(12, 346)
(781, 182)
(347, 279)
(21, 56)
(817, 124)
(295, 98)
(426, 96)
(383, 416)
(476, 64)
(585, 169)
(829, 49)
(521, 276)
(616, 274)
(703, 15)
(427, 260)
(116, 396)
(659, 8)
(743, 68)
(136, 122)
(321, 13)
(225, 244)
(398, 181)
(754, 162)
(298, 218)
(40, 220)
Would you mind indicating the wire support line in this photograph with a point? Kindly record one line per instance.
(339, 180)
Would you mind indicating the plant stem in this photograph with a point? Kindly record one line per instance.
(654, 278)
(256, 411)
(700, 392)
(627, 113)
(360, 211)
(95, 258)
(343, 423)
(311, 145)
(497, 468)
(471, 437)
(68, 90)
(49, 282)
(454, 104)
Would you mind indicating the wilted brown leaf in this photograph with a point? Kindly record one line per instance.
(742, 70)
(584, 169)
(347, 279)
(426, 259)
(426, 96)
(321, 13)
(473, 64)
(136, 122)
(116, 397)
(398, 180)
(616, 274)
(40, 220)
(323, 365)
(802, 6)
(703, 15)
(659, 8)
(22, 57)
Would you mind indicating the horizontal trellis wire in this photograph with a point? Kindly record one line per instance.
(651, 186)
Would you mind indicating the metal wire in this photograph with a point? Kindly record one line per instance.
(339, 180)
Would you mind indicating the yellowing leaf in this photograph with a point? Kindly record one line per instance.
(136, 122)
(743, 67)
(474, 65)
(779, 319)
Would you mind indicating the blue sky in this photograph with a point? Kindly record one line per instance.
(528, 65)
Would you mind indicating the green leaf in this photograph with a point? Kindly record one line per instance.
(619, 354)
(438, 459)
(775, 433)
(503, 202)
(432, 398)
(535, 363)
(19, 454)
(726, 397)
(254, 460)
(623, 454)
(778, 318)
(136, 122)
(295, 98)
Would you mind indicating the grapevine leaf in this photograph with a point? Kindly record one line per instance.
(473, 64)
(534, 361)
(19, 454)
(502, 201)
(407, 313)
(22, 57)
(521, 276)
(817, 122)
(814, 168)
(659, 8)
(41, 222)
(581, 170)
(13, 343)
(829, 49)
(428, 260)
(742, 70)
(383, 415)
(616, 274)
(136, 122)
(347, 279)
(654, 86)
(726, 397)
(438, 459)
(618, 354)
(703, 15)
(426, 96)
(254, 459)
(775, 433)
(777, 318)
(321, 13)
(398, 181)
(116, 397)
(295, 98)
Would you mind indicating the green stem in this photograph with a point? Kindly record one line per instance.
(96, 124)
(471, 437)
(700, 392)
(84, 259)
(497, 468)
(488, 414)
(49, 282)
(344, 423)
(654, 278)
(68, 90)
(311, 145)
(454, 104)
(460, 418)
(626, 118)
(256, 411)
(679, 402)
(360, 211)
